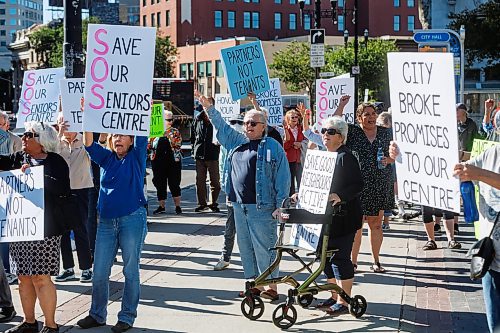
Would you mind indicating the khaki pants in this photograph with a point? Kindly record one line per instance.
(212, 167)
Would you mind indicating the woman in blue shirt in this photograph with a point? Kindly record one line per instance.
(122, 223)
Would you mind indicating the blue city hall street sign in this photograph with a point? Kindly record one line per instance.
(429, 37)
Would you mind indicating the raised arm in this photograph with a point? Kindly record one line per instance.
(253, 99)
(343, 102)
(306, 116)
(489, 104)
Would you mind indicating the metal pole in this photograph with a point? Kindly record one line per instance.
(73, 48)
(195, 70)
(356, 50)
(462, 61)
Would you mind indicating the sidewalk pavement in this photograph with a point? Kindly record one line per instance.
(422, 291)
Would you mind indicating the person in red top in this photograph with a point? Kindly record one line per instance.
(293, 147)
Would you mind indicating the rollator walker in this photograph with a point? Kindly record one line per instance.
(285, 315)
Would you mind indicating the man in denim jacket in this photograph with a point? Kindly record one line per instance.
(257, 179)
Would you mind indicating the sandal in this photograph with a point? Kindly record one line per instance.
(326, 303)
(377, 268)
(254, 291)
(430, 245)
(270, 294)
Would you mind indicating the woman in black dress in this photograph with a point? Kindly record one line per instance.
(36, 261)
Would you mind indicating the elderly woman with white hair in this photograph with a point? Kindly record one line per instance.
(35, 261)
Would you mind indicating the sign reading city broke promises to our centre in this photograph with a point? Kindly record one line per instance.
(425, 128)
(245, 69)
(314, 191)
(39, 100)
(119, 79)
(21, 205)
(271, 100)
(71, 98)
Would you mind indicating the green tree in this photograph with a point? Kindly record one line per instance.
(481, 25)
(165, 52)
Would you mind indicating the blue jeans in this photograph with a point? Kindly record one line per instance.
(491, 294)
(229, 234)
(256, 230)
(127, 233)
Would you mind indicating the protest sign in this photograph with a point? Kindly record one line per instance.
(314, 191)
(119, 79)
(39, 100)
(227, 107)
(21, 205)
(328, 94)
(422, 91)
(271, 100)
(157, 125)
(71, 99)
(246, 69)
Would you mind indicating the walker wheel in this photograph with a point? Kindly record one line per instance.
(284, 316)
(357, 307)
(305, 300)
(252, 307)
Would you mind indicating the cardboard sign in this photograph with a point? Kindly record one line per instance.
(246, 69)
(39, 100)
(71, 96)
(272, 101)
(227, 107)
(119, 79)
(157, 125)
(21, 205)
(314, 191)
(424, 119)
(328, 94)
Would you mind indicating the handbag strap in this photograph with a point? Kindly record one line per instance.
(494, 224)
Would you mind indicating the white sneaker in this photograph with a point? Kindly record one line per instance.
(11, 278)
(221, 265)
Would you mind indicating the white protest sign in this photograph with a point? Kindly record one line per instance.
(314, 191)
(119, 79)
(21, 205)
(39, 100)
(271, 100)
(71, 95)
(422, 91)
(328, 94)
(228, 108)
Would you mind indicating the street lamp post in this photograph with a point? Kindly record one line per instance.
(462, 60)
(195, 40)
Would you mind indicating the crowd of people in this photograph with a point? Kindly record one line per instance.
(99, 179)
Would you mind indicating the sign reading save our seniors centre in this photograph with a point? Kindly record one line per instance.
(21, 205)
(39, 100)
(71, 99)
(422, 91)
(328, 94)
(245, 69)
(119, 79)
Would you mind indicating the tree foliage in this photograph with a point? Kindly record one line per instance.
(164, 51)
(482, 26)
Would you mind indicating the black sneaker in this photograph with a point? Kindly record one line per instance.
(47, 329)
(121, 327)
(7, 314)
(178, 210)
(66, 275)
(89, 322)
(86, 276)
(24, 327)
(437, 227)
(214, 208)
(200, 208)
(454, 245)
(159, 210)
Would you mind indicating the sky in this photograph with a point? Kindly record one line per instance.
(49, 14)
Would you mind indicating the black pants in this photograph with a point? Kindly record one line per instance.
(340, 266)
(92, 217)
(296, 175)
(167, 173)
(81, 235)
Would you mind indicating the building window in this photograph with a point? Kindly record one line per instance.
(340, 21)
(143, 3)
(2, 43)
(167, 18)
(144, 23)
(13, 22)
(153, 19)
(396, 3)
(2, 11)
(12, 11)
(293, 2)
(255, 1)
(307, 22)
(219, 72)
(411, 23)
(218, 18)
(341, 3)
(246, 20)
(231, 19)
(411, 3)
(3, 32)
(183, 71)
(292, 24)
(277, 21)
(152, 2)
(396, 23)
(255, 20)
(200, 69)
(209, 69)
(158, 19)
(277, 1)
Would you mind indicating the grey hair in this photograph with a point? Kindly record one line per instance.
(384, 119)
(4, 115)
(168, 113)
(47, 135)
(262, 117)
(339, 124)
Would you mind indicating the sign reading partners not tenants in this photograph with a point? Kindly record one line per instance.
(71, 98)
(39, 100)
(245, 69)
(314, 191)
(119, 79)
(422, 91)
(21, 205)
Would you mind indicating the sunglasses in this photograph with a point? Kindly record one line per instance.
(329, 131)
(30, 135)
(169, 120)
(234, 122)
(294, 117)
(252, 123)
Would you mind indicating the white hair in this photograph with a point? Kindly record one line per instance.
(339, 124)
(260, 114)
(168, 113)
(4, 115)
(47, 135)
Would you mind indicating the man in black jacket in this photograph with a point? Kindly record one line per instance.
(206, 155)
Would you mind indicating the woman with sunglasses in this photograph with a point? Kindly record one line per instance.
(36, 261)
(293, 147)
(166, 162)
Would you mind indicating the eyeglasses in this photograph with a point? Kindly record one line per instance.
(169, 120)
(252, 123)
(329, 131)
(30, 135)
(234, 122)
(294, 117)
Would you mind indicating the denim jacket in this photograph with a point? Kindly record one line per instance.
(273, 172)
